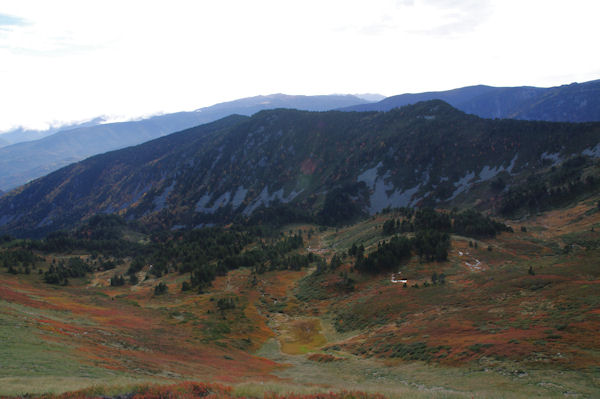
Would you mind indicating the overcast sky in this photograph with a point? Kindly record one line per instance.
(73, 60)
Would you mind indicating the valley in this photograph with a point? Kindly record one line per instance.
(515, 314)
(170, 230)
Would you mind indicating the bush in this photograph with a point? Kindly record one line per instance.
(224, 304)
(161, 289)
(117, 281)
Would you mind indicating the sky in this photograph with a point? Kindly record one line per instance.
(65, 61)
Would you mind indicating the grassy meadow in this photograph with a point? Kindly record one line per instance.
(516, 317)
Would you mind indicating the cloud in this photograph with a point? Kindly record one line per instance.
(9, 20)
(429, 17)
(459, 16)
(41, 35)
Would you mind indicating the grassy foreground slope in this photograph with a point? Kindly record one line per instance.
(516, 316)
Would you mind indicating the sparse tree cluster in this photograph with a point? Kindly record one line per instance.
(61, 273)
(18, 260)
(387, 256)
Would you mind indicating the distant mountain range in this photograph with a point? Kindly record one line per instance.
(329, 165)
(21, 135)
(577, 102)
(25, 161)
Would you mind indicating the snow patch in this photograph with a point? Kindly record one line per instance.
(488, 173)
(264, 198)
(512, 164)
(238, 197)
(217, 159)
(202, 225)
(554, 157)
(399, 198)
(202, 202)
(369, 176)
(592, 152)
(47, 221)
(6, 219)
(222, 201)
(160, 201)
(462, 184)
(380, 199)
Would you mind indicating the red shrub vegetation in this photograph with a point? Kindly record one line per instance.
(194, 390)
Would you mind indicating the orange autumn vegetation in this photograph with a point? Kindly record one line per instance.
(121, 335)
(495, 311)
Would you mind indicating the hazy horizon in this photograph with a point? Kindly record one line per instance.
(60, 63)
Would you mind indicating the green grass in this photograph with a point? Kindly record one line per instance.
(488, 379)
(31, 364)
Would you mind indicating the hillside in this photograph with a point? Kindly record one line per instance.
(507, 313)
(577, 102)
(22, 162)
(307, 163)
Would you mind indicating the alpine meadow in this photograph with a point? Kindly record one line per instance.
(438, 240)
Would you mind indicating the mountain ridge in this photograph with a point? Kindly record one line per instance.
(575, 102)
(21, 134)
(427, 153)
(24, 161)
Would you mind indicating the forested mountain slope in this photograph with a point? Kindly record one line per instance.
(25, 161)
(332, 166)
